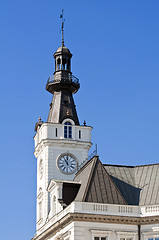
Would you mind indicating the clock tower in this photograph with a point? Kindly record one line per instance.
(61, 143)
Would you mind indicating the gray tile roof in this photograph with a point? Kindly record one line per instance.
(139, 185)
(96, 185)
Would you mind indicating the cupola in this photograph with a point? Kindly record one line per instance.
(62, 59)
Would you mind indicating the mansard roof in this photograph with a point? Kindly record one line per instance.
(113, 184)
(139, 185)
(117, 184)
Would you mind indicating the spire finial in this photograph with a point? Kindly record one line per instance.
(62, 28)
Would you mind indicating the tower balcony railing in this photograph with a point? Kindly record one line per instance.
(67, 78)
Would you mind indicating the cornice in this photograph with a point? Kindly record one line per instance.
(60, 142)
(52, 230)
(115, 219)
(83, 217)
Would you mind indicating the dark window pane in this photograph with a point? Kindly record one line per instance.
(79, 134)
(68, 123)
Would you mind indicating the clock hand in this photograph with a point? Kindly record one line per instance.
(66, 161)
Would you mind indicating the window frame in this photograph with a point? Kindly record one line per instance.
(150, 235)
(100, 234)
(67, 130)
(153, 237)
(72, 124)
(126, 235)
(79, 134)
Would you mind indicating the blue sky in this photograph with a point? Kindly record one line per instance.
(115, 46)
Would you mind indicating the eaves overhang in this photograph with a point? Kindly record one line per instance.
(82, 217)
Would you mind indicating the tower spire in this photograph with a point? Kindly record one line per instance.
(62, 85)
(62, 28)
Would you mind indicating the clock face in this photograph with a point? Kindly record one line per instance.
(67, 164)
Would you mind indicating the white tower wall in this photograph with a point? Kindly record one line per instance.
(49, 145)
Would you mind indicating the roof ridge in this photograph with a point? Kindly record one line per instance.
(130, 166)
(95, 158)
(116, 165)
(113, 183)
(85, 165)
(144, 165)
(109, 186)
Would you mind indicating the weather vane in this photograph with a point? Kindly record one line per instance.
(62, 28)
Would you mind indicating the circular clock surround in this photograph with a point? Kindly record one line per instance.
(67, 163)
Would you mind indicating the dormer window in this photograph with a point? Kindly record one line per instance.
(67, 130)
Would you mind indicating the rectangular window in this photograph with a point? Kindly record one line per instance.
(126, 239)
(100, 238)
(56, 132)
(79, 134)
(157, 238)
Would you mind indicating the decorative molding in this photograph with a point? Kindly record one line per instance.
(70, 217)
(40, 195)
(40, 221)
(99, 233)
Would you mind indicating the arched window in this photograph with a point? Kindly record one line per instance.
(67, 130)
(63, 63)
(58, 64)
(68, 65)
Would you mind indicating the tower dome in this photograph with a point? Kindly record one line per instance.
(63, 49)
